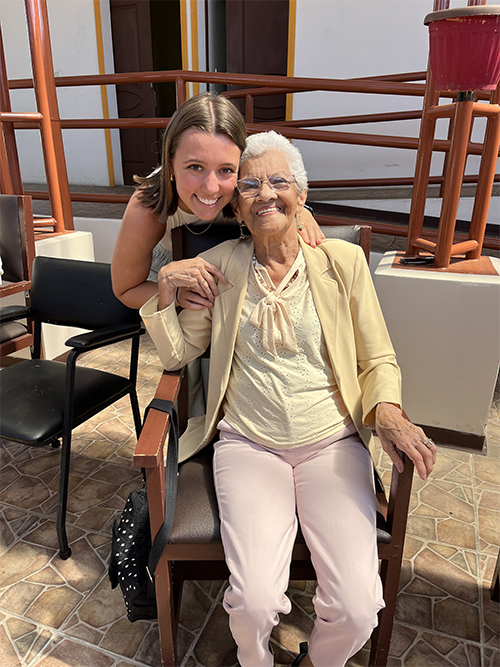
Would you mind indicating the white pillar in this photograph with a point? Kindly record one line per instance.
(445, 328)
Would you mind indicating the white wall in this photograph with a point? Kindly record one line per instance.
(356, 38)
(74, 51)
(334, 39)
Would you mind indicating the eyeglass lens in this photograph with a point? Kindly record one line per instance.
(251, 186)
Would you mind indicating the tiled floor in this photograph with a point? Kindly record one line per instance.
(56, 613)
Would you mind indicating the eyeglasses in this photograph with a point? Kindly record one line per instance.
(251, 186)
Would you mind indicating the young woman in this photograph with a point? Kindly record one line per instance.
(194, 182)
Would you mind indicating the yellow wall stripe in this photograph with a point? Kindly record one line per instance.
(194, 43)
(292, 20)
(104, 92)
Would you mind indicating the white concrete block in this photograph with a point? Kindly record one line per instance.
(445, 328)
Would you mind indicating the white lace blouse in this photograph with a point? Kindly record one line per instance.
(282, 392)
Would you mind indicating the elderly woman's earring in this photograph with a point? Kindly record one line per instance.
(242, 233)
(300, 226)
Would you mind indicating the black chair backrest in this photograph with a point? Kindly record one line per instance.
(71, 292)
(12, 244)
(351, 233)
(189, 242)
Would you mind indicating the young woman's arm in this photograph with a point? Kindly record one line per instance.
(140, 231)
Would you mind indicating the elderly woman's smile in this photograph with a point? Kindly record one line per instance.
(267, 210)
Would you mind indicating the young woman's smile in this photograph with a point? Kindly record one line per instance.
(205, 168)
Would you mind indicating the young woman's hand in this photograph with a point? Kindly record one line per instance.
(309, 228)
(197, 276)
(397, 434)
(192, 300)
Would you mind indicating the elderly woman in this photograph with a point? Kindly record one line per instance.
(302, 370)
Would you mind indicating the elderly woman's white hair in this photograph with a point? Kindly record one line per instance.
(258, 144)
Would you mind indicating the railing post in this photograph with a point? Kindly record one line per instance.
(248, 108)
(5, 182)
(180, 88)
(10, 180)
(51, 134)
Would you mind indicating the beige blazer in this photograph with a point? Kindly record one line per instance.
(358, 344)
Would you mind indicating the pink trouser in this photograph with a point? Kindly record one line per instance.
(260, 491)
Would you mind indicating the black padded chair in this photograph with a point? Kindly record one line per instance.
(41, 401)
(17, 250)
(190, 241)
(195, 550)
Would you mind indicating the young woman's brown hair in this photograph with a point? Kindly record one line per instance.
(208, 112)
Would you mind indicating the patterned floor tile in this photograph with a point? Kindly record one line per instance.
(64, 613)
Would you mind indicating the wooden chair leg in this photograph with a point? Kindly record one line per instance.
(166, 614)
(485, 182)
(456, 165)
(381, 636)
(423, 166)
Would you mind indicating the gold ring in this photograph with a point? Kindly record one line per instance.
(428, 442)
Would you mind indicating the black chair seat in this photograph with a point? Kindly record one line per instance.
(196, 518)
(41, 419)
(11, 330)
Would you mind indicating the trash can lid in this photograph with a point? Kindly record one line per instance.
(456, 12)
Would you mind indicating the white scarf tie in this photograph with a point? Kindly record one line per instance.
(270, 315)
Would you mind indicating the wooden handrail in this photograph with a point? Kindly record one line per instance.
(292, 132)
(249, 86)
(382, 85)
(149, 449)
(291, 84)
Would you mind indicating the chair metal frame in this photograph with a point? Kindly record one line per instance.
(43, 312)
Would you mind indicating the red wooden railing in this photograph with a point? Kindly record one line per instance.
(50, 123)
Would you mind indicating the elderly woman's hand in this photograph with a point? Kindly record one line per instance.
(397, 433)
(309, 228)
(196, 275)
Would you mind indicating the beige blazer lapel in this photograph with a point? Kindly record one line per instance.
(226, 317)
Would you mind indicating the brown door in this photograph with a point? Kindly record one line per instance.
(167, 50)
(133, 52)
(257, 43)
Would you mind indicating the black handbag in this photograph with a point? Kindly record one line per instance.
(133, 558)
